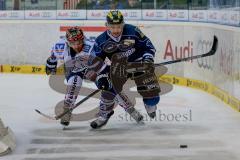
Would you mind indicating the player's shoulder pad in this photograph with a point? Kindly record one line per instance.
(134, 30)
(129, 29)
(101, 38)
(59, 46)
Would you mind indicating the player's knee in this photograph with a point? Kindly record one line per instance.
(72, 76)
(74, 80)
(151, 101)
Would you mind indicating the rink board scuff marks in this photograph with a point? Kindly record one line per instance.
(210, 130)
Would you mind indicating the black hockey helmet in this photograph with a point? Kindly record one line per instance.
(114, 17)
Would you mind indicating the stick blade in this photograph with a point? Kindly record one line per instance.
(44, 115)
(37, 111)
(214, 46)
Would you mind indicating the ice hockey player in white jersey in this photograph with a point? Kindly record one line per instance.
(75, 52)
(64, 53)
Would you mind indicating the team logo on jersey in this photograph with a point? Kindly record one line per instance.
(126, 44)
(110, 47)
(59, 47)
(129, 42)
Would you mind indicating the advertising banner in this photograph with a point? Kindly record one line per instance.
(96, 14)
(213, 16)
(71, 14)
(40, 14)
(154, 15)
(224, 17)
(12, 15)
(198, 15)
(234, 17)
(178, 15)
(132, 14)
(101, 14)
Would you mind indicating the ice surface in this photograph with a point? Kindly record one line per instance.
(209, 127)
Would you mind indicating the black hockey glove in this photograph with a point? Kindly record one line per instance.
(51, 65)
(103, 82)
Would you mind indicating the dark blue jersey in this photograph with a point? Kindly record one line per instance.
(132, 44)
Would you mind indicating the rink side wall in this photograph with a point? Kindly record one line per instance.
(25, 45)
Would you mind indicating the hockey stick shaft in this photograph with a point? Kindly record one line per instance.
(210, 53)
(77, 104)
(57, 117)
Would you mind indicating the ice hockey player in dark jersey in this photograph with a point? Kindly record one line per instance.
(127, 41)
(75, 52)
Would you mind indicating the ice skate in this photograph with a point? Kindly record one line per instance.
(101, 120)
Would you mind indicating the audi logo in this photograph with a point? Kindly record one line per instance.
(203, 47)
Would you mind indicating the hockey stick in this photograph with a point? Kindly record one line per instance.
(210, 53)
(143, 68)
(57, 117)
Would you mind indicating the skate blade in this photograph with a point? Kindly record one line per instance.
(141, 123)
(65, 127)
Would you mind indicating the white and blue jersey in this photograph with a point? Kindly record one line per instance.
(69, 58)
